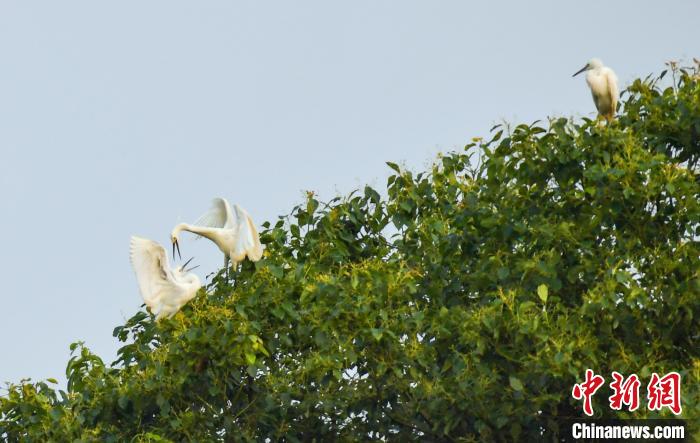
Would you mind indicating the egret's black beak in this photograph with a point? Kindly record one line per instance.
(580, 71)
(187, 263)
(176, 246)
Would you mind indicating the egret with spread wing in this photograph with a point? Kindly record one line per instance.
(164, 290)
(603, 83)
(233, 231)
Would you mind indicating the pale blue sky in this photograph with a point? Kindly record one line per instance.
(120, 118)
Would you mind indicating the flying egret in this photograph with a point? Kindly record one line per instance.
(603, 83)
(164, 290)
(233, 232)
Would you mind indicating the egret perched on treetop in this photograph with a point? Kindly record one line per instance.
(164, 290)
(233, 232)
(603, 83)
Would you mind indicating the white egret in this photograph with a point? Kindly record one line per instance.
(164, 290)
(233, 232)
(603, 83)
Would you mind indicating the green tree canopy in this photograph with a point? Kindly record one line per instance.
(462, 304)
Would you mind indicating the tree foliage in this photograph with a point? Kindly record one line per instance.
(462, 305)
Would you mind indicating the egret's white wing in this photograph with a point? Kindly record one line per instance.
(612, 88)
(153, 274)
(599, 89)
(218, 216)
(247, 238)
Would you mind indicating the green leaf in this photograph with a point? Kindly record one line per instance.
(56, 413)
(543, 292)
(311, 206)
(515, 383)
(354, 281)
(251, 370)
(275, 270)
(621, 276)
(250, 358)
(277, 312)
(377, 333)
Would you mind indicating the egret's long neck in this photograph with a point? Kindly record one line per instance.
(199, 230)
(175, 233)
